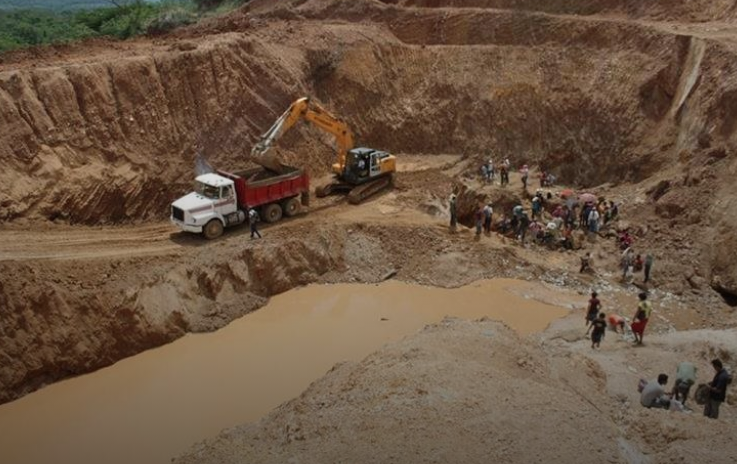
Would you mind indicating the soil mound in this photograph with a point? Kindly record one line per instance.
(462, 391)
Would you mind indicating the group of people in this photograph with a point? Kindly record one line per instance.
(597, 321)
(632, 264)
(653, 394)
(489, 170)
(556, 225)
(596, 214)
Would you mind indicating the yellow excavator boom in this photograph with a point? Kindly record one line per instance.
(303, 108)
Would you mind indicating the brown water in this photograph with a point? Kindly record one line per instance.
(153, 406)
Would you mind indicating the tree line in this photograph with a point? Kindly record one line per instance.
(119, 19)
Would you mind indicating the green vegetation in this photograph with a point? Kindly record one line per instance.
(119, 19)
(53, 5)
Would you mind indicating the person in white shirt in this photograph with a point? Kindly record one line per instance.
(654, 395)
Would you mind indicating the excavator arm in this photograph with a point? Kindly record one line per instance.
(303, 108)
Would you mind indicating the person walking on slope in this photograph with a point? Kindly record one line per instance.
(593, 311)
(252, 221)
(717, 389)
(642, 316)
(599, 325)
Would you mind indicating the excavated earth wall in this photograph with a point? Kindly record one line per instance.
(113, 140)
(679, 10)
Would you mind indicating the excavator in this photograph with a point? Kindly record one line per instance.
(359, 172)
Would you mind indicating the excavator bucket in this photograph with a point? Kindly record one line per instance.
(269, 161)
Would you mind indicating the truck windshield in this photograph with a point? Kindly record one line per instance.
(207, 190)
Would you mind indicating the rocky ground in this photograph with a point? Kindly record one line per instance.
(633, 102)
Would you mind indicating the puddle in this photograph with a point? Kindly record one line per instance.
(151, 407)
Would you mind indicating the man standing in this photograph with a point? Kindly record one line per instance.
(479, 216)
(685, 378)
(536, 208)
(504, 174)
(524, 224)
(252, 221)
(488, 211)
(525, 171)
(484, 173)
(593, 221)
(653, 395)
(626, 263)
(453, 213)
(642, 316)
(717, 389)
(648, 266)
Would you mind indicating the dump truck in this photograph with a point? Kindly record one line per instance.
(222, 199)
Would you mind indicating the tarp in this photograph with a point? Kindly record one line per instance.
(587, 198)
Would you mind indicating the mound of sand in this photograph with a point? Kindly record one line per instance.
(462, 391)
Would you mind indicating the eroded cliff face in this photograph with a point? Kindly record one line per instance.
(70, 318)
(111, 140)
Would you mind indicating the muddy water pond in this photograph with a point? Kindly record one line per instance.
(149, 408)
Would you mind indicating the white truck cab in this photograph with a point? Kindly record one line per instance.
(210, 208)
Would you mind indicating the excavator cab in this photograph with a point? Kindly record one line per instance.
(363, 164)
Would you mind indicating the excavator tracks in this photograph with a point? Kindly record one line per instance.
(356, 194)
(363, 191)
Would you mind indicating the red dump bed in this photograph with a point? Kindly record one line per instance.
(259, 186)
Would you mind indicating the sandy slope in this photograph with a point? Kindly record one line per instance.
(462, 391)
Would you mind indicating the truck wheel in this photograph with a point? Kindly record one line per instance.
(291, 207)
(272, 212)
(213, 229)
